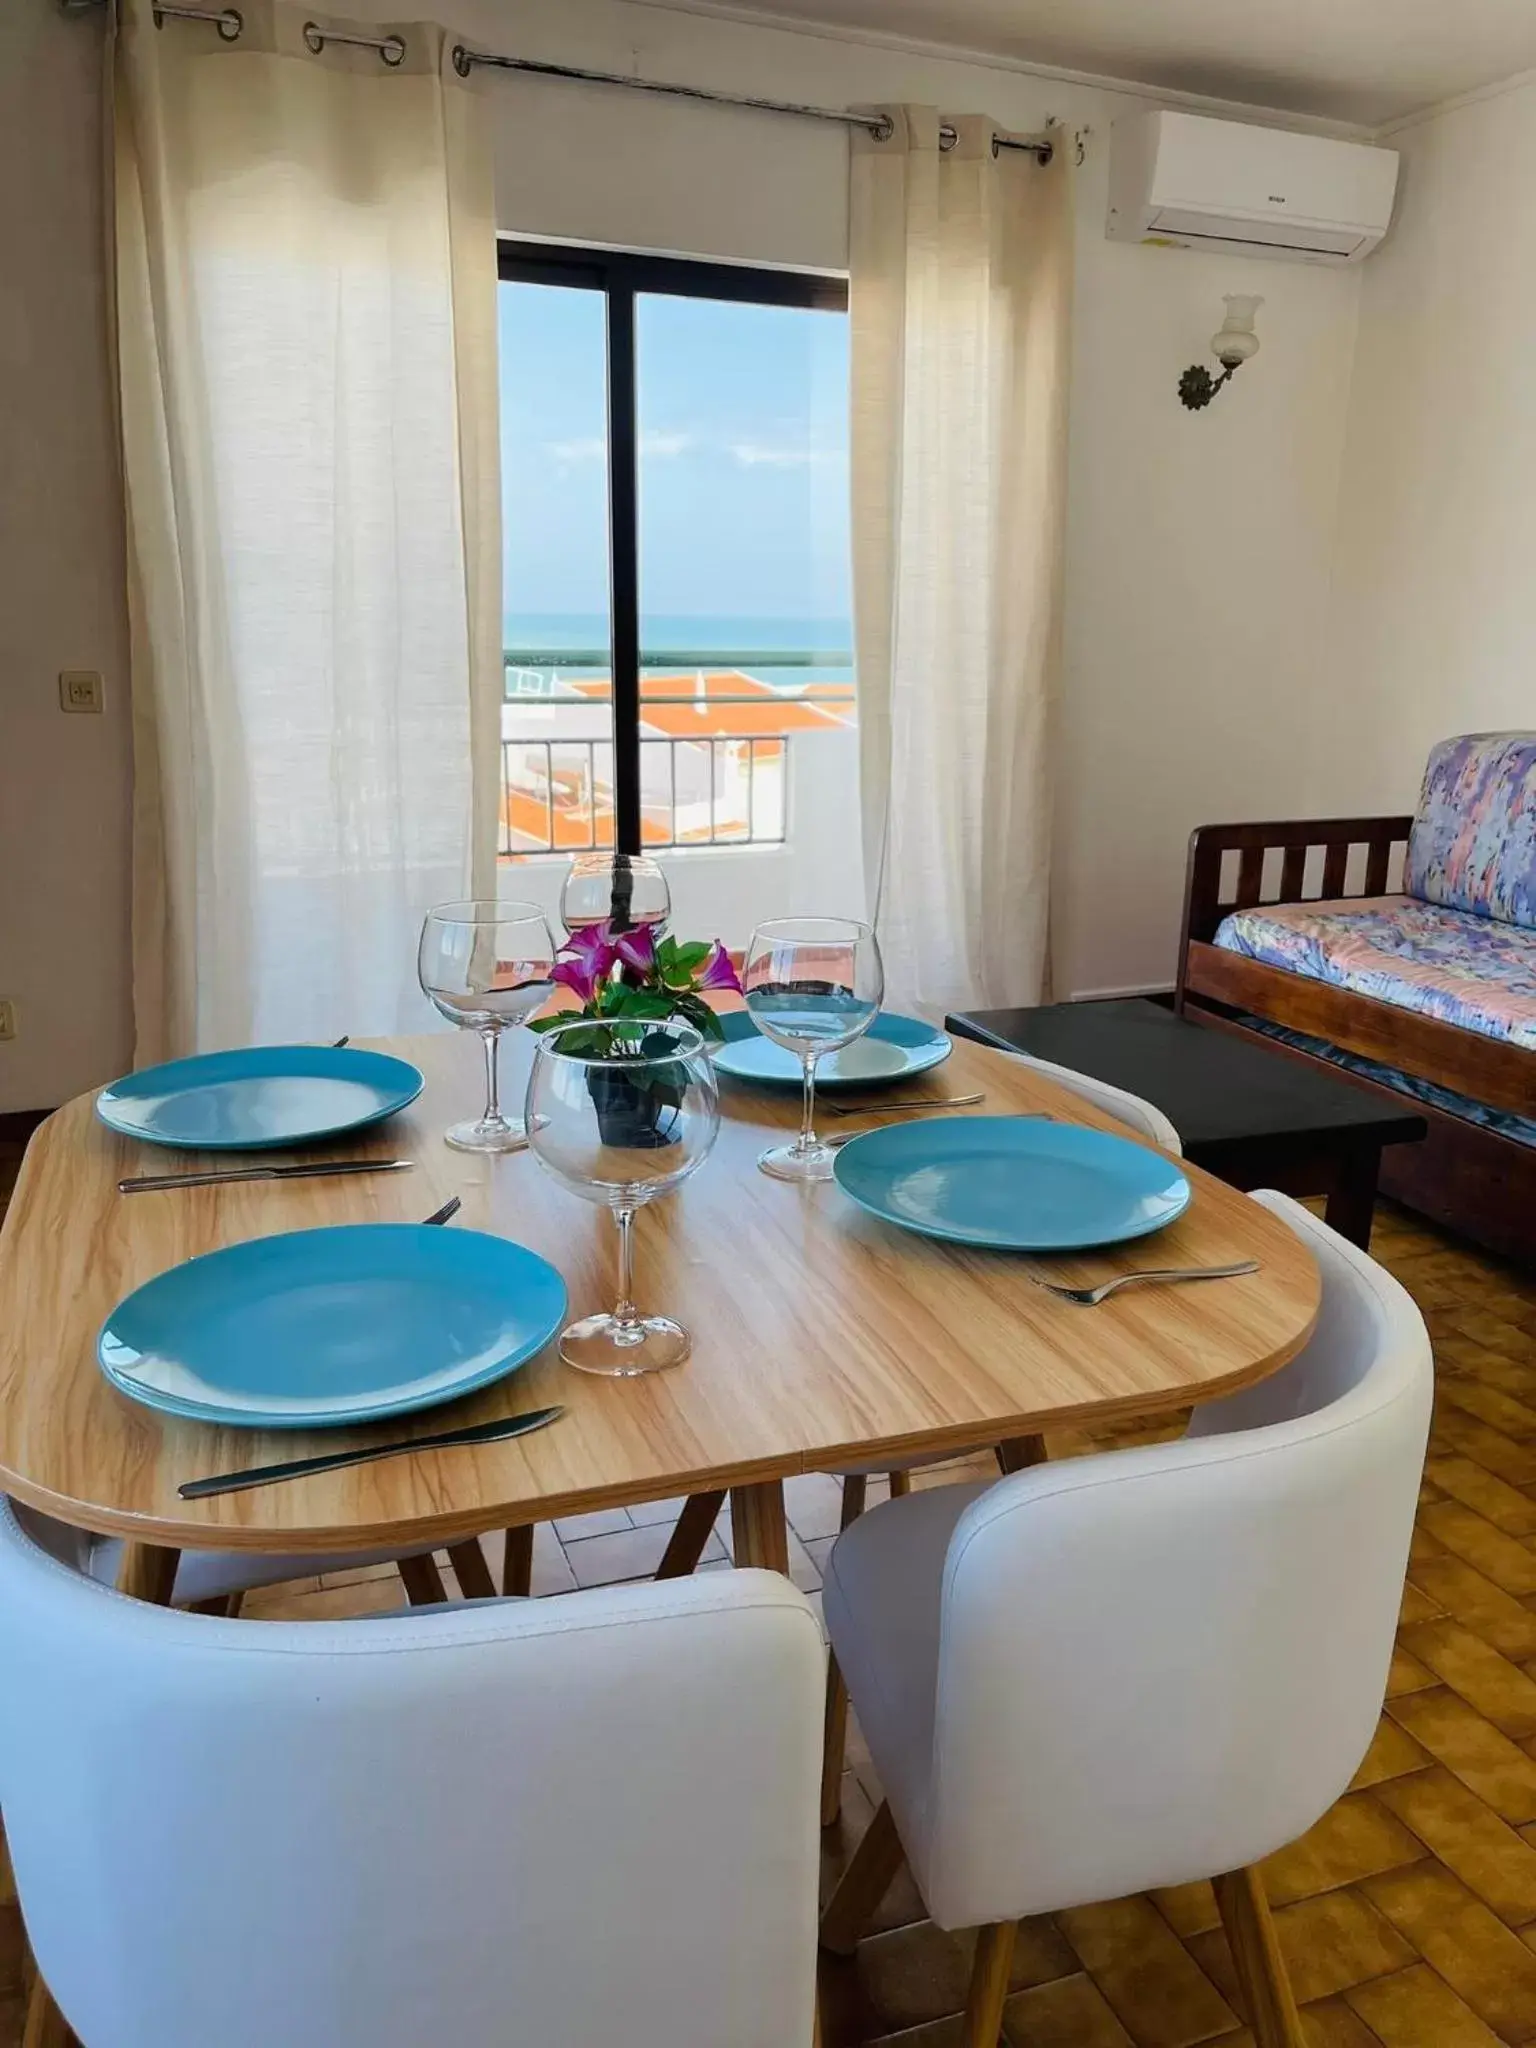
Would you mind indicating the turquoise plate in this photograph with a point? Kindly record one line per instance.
(893, 1049)
(320, 1327)
(1012, 1183)
(259, 1097)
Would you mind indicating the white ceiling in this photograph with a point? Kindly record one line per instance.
(1366, 61)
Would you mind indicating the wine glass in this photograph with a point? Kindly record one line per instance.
(487, 966)
(621, 1113)
(812, 984)
(629, 888)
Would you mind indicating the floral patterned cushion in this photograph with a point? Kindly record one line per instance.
(1473, 845)
(1466, 970)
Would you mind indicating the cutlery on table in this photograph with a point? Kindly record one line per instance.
(332, 1461)
(146, 1183)
(1039, 1116)
(448, 1211)
(1090, 1297)
(337, 1044)
(906, 1102)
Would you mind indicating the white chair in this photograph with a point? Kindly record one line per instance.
(557, 1822)
(1147, 1121)
(218, 1580)
(1145, 1667)
(698, 1518)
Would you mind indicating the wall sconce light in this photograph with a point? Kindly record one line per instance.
(1231, 347)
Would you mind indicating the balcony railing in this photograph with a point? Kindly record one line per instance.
(724, 785)
(556, 794)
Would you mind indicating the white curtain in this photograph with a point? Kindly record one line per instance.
(961, 269)
(306, 312)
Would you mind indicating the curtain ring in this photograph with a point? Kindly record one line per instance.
(390, 48)
(230, 25)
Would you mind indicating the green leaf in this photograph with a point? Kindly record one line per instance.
(693, 955)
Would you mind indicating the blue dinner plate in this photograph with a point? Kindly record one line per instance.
(259, 1097)
(318, 1327)
(1012, 1183)
(893, 1049)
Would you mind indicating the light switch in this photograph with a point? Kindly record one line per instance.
(80, 689)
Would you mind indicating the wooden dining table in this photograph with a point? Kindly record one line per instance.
(822, 1336)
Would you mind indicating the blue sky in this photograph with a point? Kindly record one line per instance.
(743, 457)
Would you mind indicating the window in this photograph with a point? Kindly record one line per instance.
(678, 638)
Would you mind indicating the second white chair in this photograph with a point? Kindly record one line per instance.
(554, 1822)
(1146, 1667)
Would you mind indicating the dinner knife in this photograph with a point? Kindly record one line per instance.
(332, 1461)
(145, 1183)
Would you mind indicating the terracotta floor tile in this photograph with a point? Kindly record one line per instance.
(334, 1603)
(1392, 1752)
(1485, 1760)
(628, 1554)
(1493, 1685)
(1493, 1498)
(1489, 1404)
(1455, 1589)
(1502, 1558)
(1417, 1606)
(270, 1603)
(1469, 1839)
(948, 2033)
(1147, 1975)
(1329, 1943)
(1456, 1430)
(601, 1522)
(813, 1505)
(1456, 1934)
(1354, 1839)
(1407, 1674)
(920, 1973)
(1333, 2025)
(1415, 2009)
(1188, 1908)
(1071, 2013)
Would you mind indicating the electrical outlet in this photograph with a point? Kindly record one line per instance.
(80, 689)
(7, 1019)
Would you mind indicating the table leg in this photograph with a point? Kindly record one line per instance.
(148, 1572)
(1352, 1200)
(471, 1569)
(1017, 1452)
(758, 1533)
(423, 1581)
(517, 1567)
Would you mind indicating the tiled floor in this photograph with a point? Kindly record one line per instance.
(1408, 1915)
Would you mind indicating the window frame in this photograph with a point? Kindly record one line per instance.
(621, 275)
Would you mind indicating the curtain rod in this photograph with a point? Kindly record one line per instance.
(879, 125)
(230, 23)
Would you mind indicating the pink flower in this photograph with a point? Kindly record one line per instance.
(717, 971)
(636, 948)
(585, 961)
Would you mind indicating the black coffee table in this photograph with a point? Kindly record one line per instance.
(1244, 1110)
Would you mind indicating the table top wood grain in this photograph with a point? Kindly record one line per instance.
(822, 1337)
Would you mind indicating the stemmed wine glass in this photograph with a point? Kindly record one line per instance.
(621, 1113)
(629, 888)
(487, 966)
(813, 985)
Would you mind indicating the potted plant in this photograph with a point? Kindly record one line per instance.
(627, 981)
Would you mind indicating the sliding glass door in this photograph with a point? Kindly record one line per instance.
(678, 633)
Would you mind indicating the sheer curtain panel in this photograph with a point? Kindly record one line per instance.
(960, 307)
(306, 307)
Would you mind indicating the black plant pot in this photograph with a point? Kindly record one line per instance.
(631, 1114)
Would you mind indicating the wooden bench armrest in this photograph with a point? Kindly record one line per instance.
(1214, 885)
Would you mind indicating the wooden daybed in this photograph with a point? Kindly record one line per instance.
(1472, 1179)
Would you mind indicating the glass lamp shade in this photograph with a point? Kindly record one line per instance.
(1236, 341)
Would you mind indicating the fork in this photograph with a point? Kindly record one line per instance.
(1090, 1297)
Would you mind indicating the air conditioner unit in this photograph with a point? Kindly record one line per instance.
(1196, 183)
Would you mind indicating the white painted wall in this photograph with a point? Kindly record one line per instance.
(64, 779)
(1199, 546)
(1196, 677)
(1434, 620)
